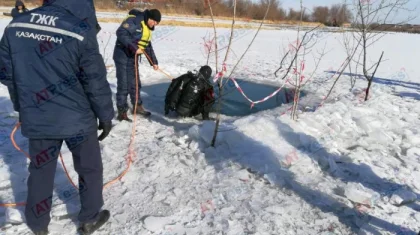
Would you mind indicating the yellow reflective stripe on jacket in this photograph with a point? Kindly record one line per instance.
(145, 38)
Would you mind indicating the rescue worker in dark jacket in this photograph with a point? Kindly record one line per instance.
(19, 9)
(133, 39)
(191, 94)
(56, 78)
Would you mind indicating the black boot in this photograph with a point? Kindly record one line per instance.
(166, 110)
(89, 228)
(42, 232)
(122, 116)
(205, 115)
(140, 110)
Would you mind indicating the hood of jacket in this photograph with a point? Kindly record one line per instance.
(82, 9)
(19, 3)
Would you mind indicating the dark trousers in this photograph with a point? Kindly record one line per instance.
(126, 79)
(87, 163)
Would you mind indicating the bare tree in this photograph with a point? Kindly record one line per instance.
(320, 14)
(295, 71)
(369, 16)
(351, 49)
(297, 15)
(275, 11)
(298, 75)
(208, 45)
(347, 61)
(242, 7)
(306, 45)
(221, 74)
(220, 82)
(340, 13)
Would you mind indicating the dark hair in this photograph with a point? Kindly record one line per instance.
(19, 3)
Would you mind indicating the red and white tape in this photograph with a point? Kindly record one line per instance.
(259, 101)
(220, 74)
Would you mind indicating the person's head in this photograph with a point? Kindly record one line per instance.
(205, 71)
(154, 18)
(19, 5)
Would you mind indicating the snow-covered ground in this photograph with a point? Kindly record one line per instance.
(348, 167)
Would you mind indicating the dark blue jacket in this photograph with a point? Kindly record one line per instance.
(56, 77)
(93, 18)
(129, 34)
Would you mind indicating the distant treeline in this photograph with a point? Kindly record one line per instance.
(334, 15)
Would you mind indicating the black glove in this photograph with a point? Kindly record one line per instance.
(106, 127)
(98, 28)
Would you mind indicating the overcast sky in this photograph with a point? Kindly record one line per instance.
(286, 4)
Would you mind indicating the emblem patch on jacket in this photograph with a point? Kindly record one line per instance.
(126, 25)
